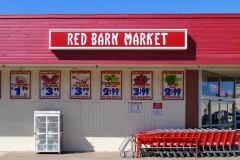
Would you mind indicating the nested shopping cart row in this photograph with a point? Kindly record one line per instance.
(187, 142)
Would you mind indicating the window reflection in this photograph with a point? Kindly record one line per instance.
(218, 105)
(216, 115)
(205, 117)
(210, 84)
(227, 87)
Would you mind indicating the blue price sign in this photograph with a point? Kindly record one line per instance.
(141, 85)
(20, 85)
(111, 85)
(80, 85)
(173, 85)
(50, 84)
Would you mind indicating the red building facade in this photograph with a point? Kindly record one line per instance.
(213, 46)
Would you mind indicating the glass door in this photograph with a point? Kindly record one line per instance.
(218, 101)
(227, 114)
(52, 133)
(218, 114)
(40, 133)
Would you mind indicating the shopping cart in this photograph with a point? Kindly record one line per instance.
(187, 142)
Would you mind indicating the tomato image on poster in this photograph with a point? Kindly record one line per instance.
(20, 84)
(111, 85)
(141, 85)
(80, 85)
(50, 84)
(173, 85)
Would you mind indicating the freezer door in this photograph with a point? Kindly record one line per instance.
(40, 124)
(53, 142)
(40, 142)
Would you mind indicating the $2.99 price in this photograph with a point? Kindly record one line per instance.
(110, 91)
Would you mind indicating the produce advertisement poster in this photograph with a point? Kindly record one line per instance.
(111, 85)
(80, 85)
(135, 107)
(157, 109)
(50, 84)
(20, 84)
(141, 85)
(173, 85)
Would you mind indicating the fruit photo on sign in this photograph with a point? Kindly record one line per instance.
(111, 78)
(111, 84)
(173, 85)
(141, 80)
(172, 80)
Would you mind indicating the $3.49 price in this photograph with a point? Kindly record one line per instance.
(79, 91)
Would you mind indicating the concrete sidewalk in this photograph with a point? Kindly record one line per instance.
(83, 156)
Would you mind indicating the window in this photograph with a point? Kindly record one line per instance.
(218, 105)
(227, 86)
(210, 84)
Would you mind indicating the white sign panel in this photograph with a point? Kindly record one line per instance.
(134, 107)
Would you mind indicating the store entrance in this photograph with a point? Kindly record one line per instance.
(218, 114)
(218, 109)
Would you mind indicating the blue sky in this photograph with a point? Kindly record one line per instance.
(119, 6)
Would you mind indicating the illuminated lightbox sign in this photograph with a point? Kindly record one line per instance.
(81, 39)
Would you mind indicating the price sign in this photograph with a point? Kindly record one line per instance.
(50, 84)
(20, 84)
(111, 85)
(141, 85)
(80, 85)
(157, 109)
(173, 85)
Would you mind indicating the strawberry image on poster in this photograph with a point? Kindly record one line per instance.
(141, 85)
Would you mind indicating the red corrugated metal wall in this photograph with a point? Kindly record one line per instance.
(214, 39)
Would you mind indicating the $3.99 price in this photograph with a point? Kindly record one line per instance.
(141, 91)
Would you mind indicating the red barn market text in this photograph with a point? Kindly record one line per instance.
(156, 39)
(111, 39)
